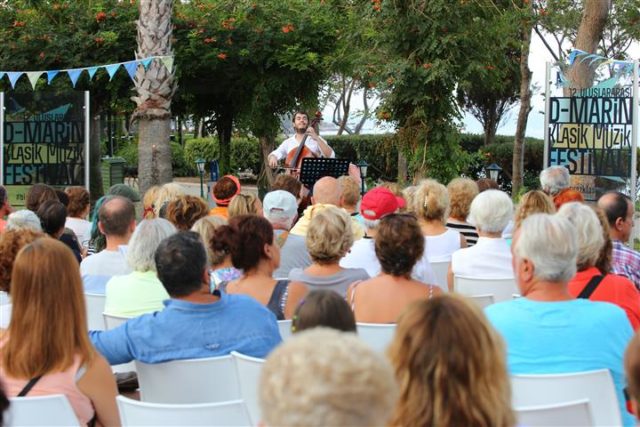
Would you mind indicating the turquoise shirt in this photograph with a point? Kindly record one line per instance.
(564, 336)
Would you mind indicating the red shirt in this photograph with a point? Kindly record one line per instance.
(617, 290)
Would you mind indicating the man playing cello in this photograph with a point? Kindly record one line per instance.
(314, 142)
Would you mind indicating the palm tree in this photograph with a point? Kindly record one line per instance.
(155, 86)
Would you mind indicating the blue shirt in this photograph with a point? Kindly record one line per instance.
(564, 336)
(185, 330)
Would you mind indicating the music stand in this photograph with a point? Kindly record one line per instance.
(314, 169)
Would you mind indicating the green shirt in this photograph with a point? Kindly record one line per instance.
(134, 294)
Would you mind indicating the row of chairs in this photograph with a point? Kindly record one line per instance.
(577, 399)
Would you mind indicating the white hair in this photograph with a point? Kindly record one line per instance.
(549, 242)
(371, 224)
(554, 179)
(588, 232)
(23, 219)
(491, 211)
(344, 384)
(144, 242)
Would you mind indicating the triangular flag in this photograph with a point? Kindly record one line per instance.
(33, 77)
(131, 68)
(168, 62)
(2, 73)
(92, 72)
(111, 69)
(13, 77)
(51, 75)
(74, 74)
(146, 62)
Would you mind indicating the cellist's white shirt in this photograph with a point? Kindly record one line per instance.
(291, 144)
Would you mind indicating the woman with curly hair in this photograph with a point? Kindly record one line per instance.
(184, 211)
(461, 194)
(534, 201)
(450, 366)
(399, 245)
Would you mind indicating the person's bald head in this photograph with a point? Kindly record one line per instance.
(327, 191)
(619, 210)
(117, 217)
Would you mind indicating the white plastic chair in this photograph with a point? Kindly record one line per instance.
(52, 410)
(4, 298)
(285, 329)
(482, 300)
(500, 289)
(377, 335)
(95, 307)
(207, 380)
(111, 322)
(576, 413)
(248, 369)
(441, 270)
(548, 389)
(136, 413)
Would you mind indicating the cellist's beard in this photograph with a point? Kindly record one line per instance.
(301, 130)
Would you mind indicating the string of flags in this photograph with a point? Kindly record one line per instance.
(74, 73)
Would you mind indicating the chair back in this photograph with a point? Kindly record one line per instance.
(500, 289)
(285, 329)
(548, 389)
(248, 369)
(211, 379)
(441, 271)
(52, 410)
(482, 300)
(95, 308)
(136, 413)
(576, 413)
(377, 335)
(112, 322)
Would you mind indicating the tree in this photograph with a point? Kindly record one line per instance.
(155, 87)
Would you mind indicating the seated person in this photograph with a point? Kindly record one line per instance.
(223, 191)
(323, 309)
(245, 204)
(322, 377)
(462, 191)
(547, 330)
(381, 299)
(140, 291)
(194, 323)
(632, 371)
(77, 213)
(184, 211)
(490, 257)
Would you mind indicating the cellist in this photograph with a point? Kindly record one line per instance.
(314, 142)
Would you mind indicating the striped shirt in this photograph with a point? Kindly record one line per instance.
(467, 230)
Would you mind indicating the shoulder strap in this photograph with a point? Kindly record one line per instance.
(353, 287)
(27, 388)
(591, 287)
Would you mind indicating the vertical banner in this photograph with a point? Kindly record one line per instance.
(592, 133)
(44, 140)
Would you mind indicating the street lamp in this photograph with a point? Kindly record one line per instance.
(363, 165)
(494, 170)
(200, 164)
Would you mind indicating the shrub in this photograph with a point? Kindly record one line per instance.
(245, 152)
(129, 152)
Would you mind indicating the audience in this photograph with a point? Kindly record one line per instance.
(619, 210)
(148, 202)
(140, 291)
(451, 368)
(532, 202)
(589, 282)
(250, 241)
(167, 192)
(125, 191)
(46, 343)
(281, 210)
(184, 211)
(195, 323)
(461, 193)
(430, 204)
(23, 219)
(547, 330)
(485, 184)
(77, 213)
(490, 257)
(632, 371)
(329, 237)
(222, 193)
(38, 194)
(11, 242)
(350, 197)
(53, 215)
(398, 246)
(323, 308)
(555, 181)
(5, 207)
(98, 240)
(117, 221)
(322, 377)
(245, 204)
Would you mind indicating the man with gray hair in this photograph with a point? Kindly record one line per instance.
(548, 331)
(281, 210)
(555, 181)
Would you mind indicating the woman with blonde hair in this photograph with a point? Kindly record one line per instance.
(461, 193)
(534, 201)
(168, 192)
(245, 204)
(184, 211)
(148, 202)
(47, 343)
(329, 238)
(451, 367)
(430, 203)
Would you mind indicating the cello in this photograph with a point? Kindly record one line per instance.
(293, 161)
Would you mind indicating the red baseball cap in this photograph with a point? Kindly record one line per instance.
(379, 202)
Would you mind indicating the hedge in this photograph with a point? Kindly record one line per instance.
(245, 152)
(180, 166)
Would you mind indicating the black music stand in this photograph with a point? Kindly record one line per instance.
(314, 169)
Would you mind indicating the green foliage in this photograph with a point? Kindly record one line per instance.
(379, 151)
(180, 165)
(245, 152)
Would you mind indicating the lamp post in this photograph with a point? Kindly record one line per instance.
(200, 164)
(494, 171)
(363, 165)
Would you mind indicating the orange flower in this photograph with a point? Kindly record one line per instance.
(288, 28)
(222, 56)
(427, 65)
(101, 16)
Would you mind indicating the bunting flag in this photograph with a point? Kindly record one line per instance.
(74, 74)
